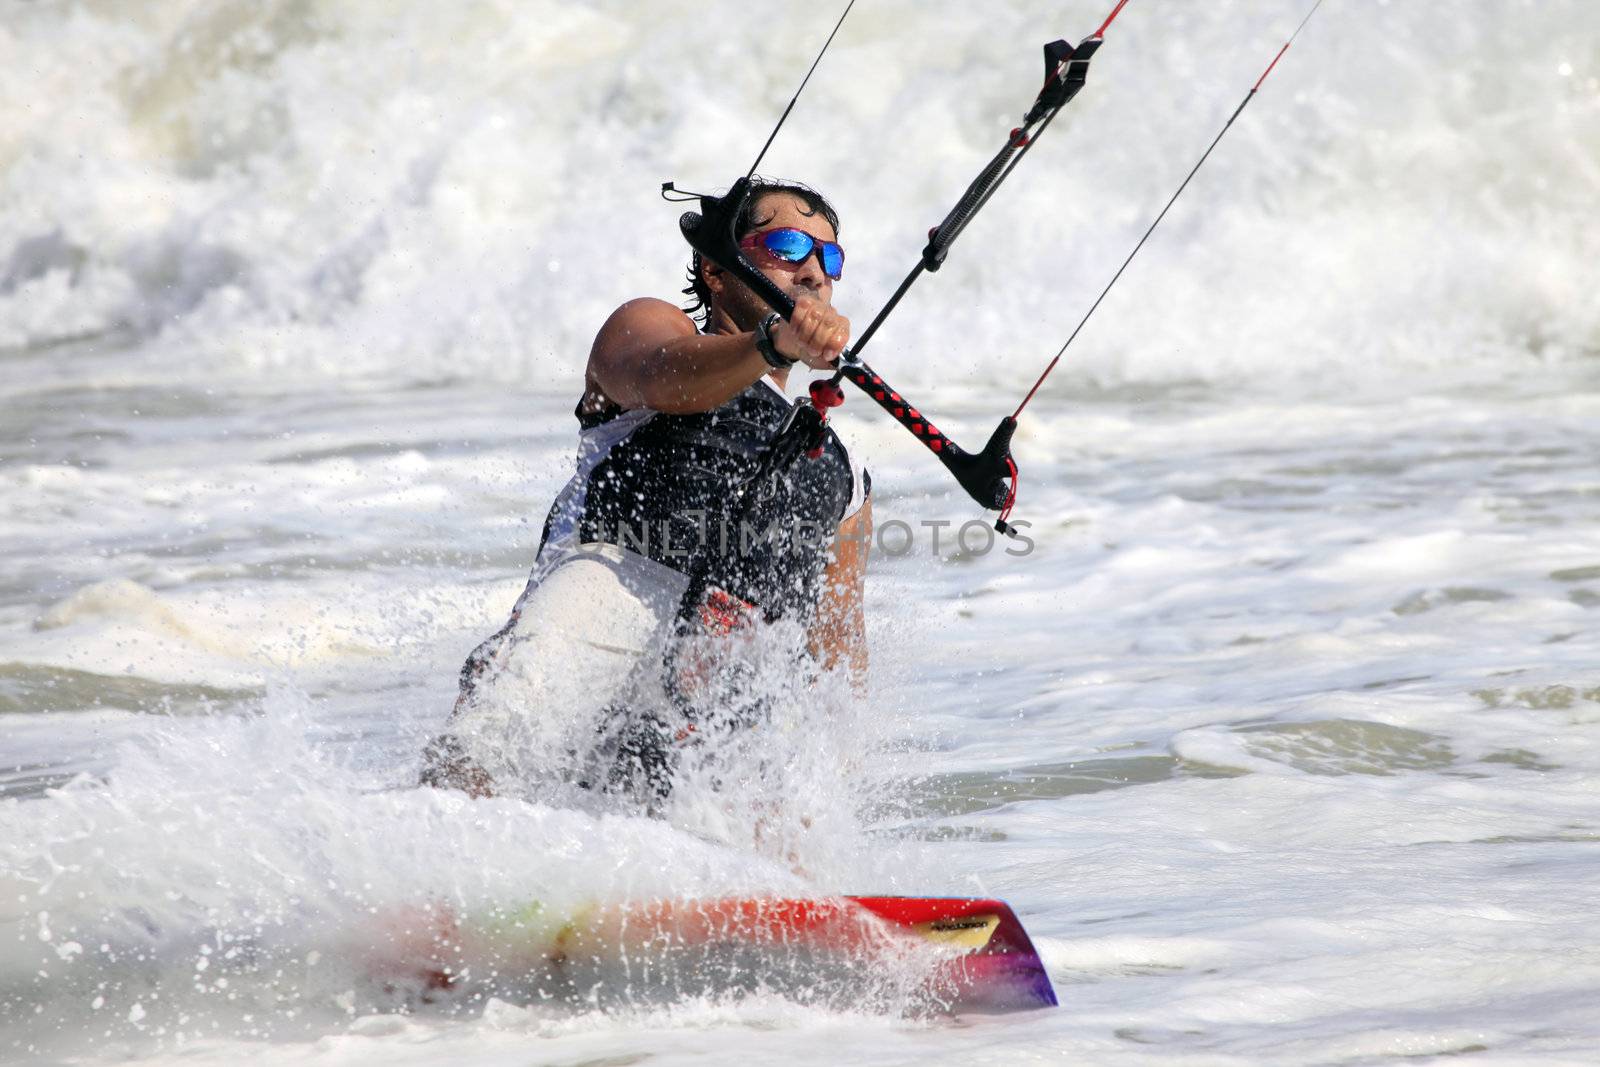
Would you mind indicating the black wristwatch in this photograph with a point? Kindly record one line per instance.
(774, 358)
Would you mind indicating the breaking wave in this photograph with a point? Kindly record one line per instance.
(314, 189)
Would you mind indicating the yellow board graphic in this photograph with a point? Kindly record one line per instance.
(970, 932)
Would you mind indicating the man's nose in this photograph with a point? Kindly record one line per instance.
(810, 273)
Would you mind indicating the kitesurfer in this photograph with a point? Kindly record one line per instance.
(673, 417)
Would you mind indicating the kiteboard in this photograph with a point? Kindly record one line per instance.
(915, 954)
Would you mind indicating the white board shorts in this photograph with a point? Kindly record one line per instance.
(585, 641)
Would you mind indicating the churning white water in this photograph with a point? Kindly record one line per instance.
(1282, 738)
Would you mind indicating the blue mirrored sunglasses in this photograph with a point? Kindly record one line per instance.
(793, 246)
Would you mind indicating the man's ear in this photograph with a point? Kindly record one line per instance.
(715, 277)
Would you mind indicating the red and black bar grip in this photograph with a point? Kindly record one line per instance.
(982, 474)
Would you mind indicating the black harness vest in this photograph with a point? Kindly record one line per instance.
(666, 491)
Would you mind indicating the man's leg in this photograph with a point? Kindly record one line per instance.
(538, 697)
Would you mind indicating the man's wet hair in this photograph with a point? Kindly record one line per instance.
(699, 305)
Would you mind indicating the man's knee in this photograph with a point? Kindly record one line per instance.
(446, 765)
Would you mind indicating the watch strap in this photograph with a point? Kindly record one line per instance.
(774, 358)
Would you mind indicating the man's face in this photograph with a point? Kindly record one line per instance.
(795, 279)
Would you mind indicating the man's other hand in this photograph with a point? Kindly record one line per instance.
(815, 334)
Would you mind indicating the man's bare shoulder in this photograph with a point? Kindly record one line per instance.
(637, 327)
(651, 313)
(631, 333)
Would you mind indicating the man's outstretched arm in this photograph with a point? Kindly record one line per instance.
(649, 355)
